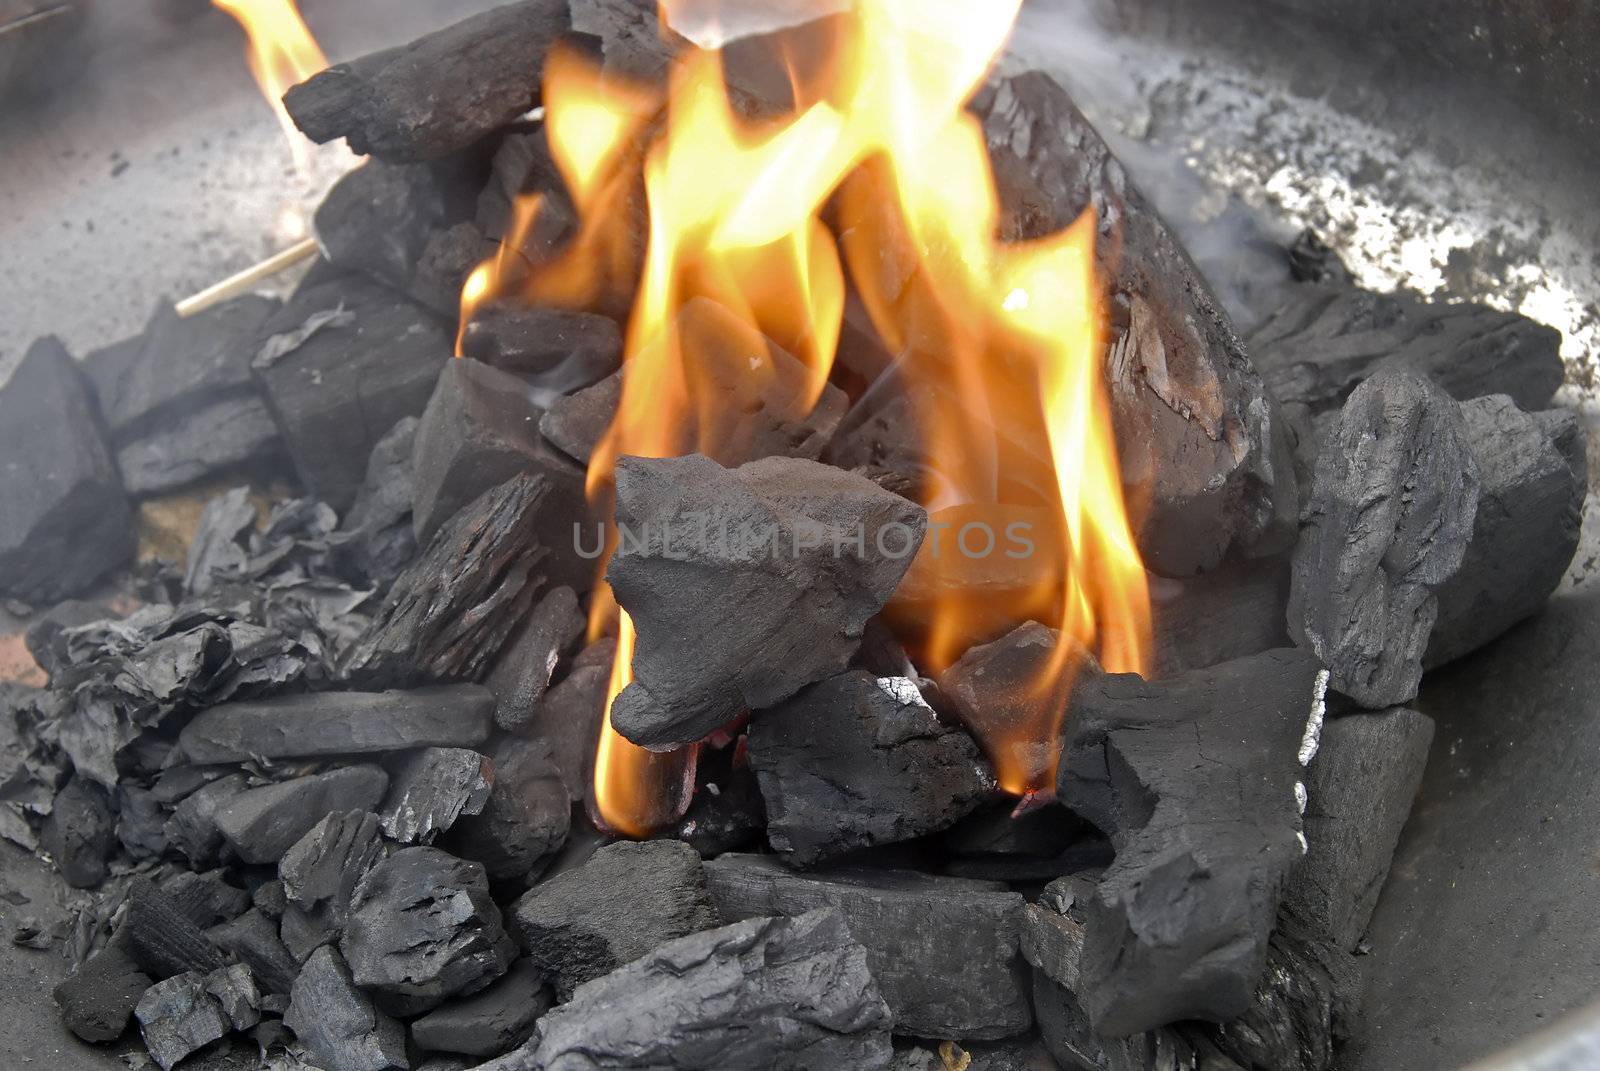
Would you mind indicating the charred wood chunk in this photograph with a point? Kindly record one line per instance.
(66, 522)
(727, 813)
(1196, 780)
(431, 788)
(424, 929)
(768, 573)
(525, 819)
(1391, 515)
(161, 938)
(1236, 610)
(439, 94)
(321, 871)
(558, 350)
(178, 1017)
(339, 365)
(1072, 1041)
(97, 999)
(760, 993)
(264, 823)
(80, 833)
(944, 950)
(568, 718)
(855, 761)
(337, 1023)
(451, 612)
(1534, 471)
(626, 901)
(489, 1023)
(235, 990)
(339, 723)
(382, 541)
(576, 423)
(522, 673)
(205, 899)
(192, 829)
(141, 823)
(253, 938)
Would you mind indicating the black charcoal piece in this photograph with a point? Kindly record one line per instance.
(339, 365)
(439, 94)
(559, 350)
(338, 1023)
(1534, 471)
(431, 788)
(163, 940)
(522, 672)
(80, 833)
(1072, 1042)
(270, 898)
(100, 995)
(253, 938)
(339, 723)
(489, 1023)
(141, 823)
(854, 761)
(577, 422)
(205, 899)
(264, 823)
(944, 950)
(235, 990)
(192, 829)
(525, 819)
(424, 929)
(782, 993)
(1391, 514)
(768, 573)
(321, 871)
(66, 522)
(1197, 781)
(727, 813)
(627, 900)
(1236, 610)
(568, 718)
(450, 613)
(178, 1017)
(382, 541)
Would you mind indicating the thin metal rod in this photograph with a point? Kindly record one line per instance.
(235, 285)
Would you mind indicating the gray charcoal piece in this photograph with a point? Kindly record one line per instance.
(438, 94)
(525, 819)
(628, 899)
(944, 950)
(323, 868)
(161, 938)
(337, 1023)
(80, 833)
(1391, 514)
(382, 540)
(423, 930)
(568, 718)
(1072, 1042)
(67, 522)
(1198, 782)
(234, 988)
(522, 673)
(178, 1017)
(854, 762)
(192, 829)
(771, 993)
(253, 938)
(761, 622)
(1236, 610)
(489, 1023)
(431, 788)
(205, 899)
(576, 423)
(339, 723)
(264, 823)
(141, 823)
(559, 350)
(97, 999)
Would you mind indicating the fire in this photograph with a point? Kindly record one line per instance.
(282, 53)
(877, 170)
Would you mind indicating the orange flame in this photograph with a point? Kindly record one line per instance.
(282, 53)
(1006, 341)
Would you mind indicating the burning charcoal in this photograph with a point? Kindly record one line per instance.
(1530, 513)
(235, 990)
(520, 677)
(253, 937)
(424, 929)
(448, 261)
(161, 939)
(558, 349)
(1315, 351)
(1041, 831)
(192, 829)
(727, 813)
(183, 405)
(451, 612)
(80, 833)
(1234, 611)
(943, 949)
(439, 94)
(321, 871)
(569, 717)
(489, 1023)
(178, 1017)
(1390, 518)
(339, 723)
(264, 823)
(66, 521)
(1203, 848)
(577, 422)
(524, 820)
(855, 762)
(432, 788)
(97, 999)
(760, 993)
(205, 899)
(382, 540)
(626, 901)
(765, 619)
(338, 1023)
(339, 365)
(481, 428)
(141, 823)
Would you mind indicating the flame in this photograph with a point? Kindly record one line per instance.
(282, 53)
(1004, 341)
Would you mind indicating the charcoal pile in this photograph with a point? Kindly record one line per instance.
(331, 782)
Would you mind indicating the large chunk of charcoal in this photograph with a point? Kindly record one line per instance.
(192, 829)
(431, 788)
(1391, 514)
(263, 823)
(1534, 472)
(766, 992)
(944, 950)
(66, 522)
(481, 428)
(99, 996)
(557, 350)
(489, 1023)
(439, 94)
(205, 899)
(178, 1017)
(524, 820)
(424, 929)
(80, 832)
(321, 871)
(339, 723)
(338, 1023)
(522, 673)
(382, 541)
(253, 938)
(768, 573)
(854, 761)
(1072, 1041)
(568, 719)
(627, 900)
(451, 612)
(161, 938)
(1236, 610)
(235, 989)
(1197, 782)
(339, 365)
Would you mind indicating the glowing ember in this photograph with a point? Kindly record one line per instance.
(282, 53)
